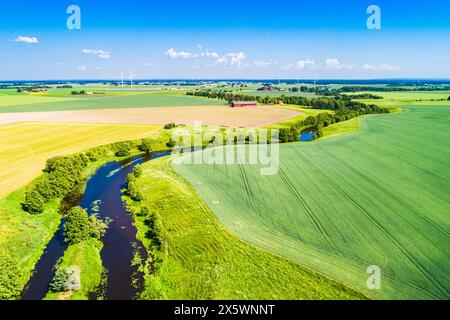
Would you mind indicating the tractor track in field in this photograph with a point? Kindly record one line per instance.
(395, 197)
(312, 217)
(412, 164)
(385, 233)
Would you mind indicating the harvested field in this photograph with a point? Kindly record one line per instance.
(26, 146)
(218, 115)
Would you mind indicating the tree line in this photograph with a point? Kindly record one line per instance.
(344, 109)
(329, 103)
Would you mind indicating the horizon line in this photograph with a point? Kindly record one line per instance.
(235, 79)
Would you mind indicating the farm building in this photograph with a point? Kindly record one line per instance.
(241, 104)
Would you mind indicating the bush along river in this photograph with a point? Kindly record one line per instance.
(103, 197)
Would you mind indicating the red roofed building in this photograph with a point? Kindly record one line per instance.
(241, 104)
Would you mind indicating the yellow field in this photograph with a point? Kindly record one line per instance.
(25, 147)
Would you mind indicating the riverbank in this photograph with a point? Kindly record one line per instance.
(25, 236)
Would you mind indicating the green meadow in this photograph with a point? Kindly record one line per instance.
(378, 196)
(110, 100)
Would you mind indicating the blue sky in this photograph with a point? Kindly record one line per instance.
(232, 39)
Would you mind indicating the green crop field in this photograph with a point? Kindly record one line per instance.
(379, 197)
(205, 261)
(409, 96)
(113, 100)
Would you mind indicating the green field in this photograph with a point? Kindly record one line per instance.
(204, 261)
(409, 96)
(111, 100)
(375, 197)
(23, 238)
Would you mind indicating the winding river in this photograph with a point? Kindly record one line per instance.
(103, 196)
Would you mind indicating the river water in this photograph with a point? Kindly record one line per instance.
(103, 196)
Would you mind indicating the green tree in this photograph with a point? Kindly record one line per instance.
(122, 151)
(10, 287)
(34, 202)
(133, 192)
(76, 228)
(169, 126)
(146, 146)
(65, 279)
(80, 227)
(156, 231)
(97, 227)
(137, 172)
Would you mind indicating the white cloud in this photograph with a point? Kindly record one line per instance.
(99, 53)
(173, 54)
(380, 67)
(24, 39)
(337, 65)
(234, 59)
(229, 59)
(147, 64)
(82, 68)
(208, 54)
(264, 64)
(301, 64)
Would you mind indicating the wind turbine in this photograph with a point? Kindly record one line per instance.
(130, 75)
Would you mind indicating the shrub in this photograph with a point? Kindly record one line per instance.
(10, 288)
(97, 153)
(97, 227)
(171, 143)
(122, 149)
(66, 279)
(34, 202)
(76, 228)
(156, 231)
(80, 227)
(130, 188)
(145, 211)
(63, 174)
(44, 189)
(169, 126)
(137, 172)
(133, 192)
(146, 146)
